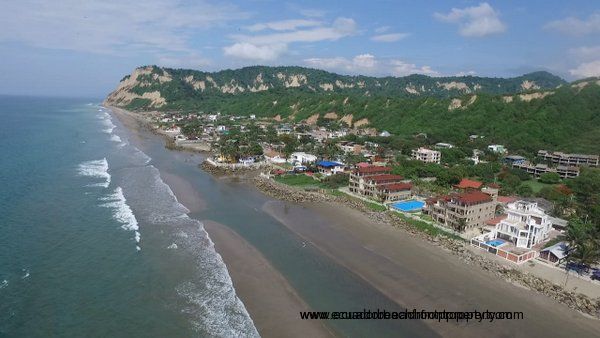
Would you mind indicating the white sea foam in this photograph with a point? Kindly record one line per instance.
(122, 212)
(115, 138)
(26, 274)
(96, 169)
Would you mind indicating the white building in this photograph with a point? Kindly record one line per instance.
(426, 155)
(302, 158)
(525, 226)
(497, 148)
(442, 145)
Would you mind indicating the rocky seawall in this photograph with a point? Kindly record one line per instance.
(457, 247)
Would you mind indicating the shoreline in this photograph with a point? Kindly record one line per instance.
(390, 226)
(273, 303)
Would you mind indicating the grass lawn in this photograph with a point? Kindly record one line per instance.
(428, 228)
(536, 185)
(297, 180)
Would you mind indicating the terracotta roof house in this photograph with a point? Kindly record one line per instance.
(466, 183)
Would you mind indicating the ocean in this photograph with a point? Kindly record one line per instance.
(94, 243)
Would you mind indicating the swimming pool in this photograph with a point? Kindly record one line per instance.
(408, 206)
(495, 242)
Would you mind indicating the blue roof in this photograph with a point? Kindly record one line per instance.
(328, 164)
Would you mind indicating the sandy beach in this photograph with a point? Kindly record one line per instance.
(417, 275)
(274, 305)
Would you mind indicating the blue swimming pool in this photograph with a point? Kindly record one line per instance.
(409, 206)
(495, 242)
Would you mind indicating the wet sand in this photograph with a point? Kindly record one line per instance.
(416, 274)
(272, 303)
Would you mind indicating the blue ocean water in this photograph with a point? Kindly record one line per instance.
(84, 217)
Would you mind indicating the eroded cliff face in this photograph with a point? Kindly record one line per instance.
(139, 78)
(153, 87)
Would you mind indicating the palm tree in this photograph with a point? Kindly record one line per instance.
(583, 245)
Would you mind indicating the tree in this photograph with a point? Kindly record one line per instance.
(584, 243)
(524, 190)
(460, 225)
(549, 178)
(586, 188)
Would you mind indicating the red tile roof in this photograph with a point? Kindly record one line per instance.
(468, 184)
(506, 199)
(495, 220)
(472, 197)
(395, 187)
(373, 169)
(385, 177)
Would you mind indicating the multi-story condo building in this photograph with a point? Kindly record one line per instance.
(379, 184)
(471, 208)
(569, 159)
(426, 155)
(525, 226)
(539, 169)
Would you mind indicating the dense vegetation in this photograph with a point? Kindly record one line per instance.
(567, 119)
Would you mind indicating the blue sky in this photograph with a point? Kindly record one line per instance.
(83, 48)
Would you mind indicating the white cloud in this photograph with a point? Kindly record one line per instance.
(312, 13)
(191, 60)
(368, 64)
(587, 69)
(476, 21)
(391, 37)
(340, 28)
(575, 26)
(467, 73)
(283, 25)
(586, 52)
(248, 51)
(110, 26)
(401, 68)
(382, 29)
(363, 63)
(270, 45)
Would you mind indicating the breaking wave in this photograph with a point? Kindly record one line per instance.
(96, 169)
(122, 213)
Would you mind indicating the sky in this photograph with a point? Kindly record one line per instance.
(84, 47)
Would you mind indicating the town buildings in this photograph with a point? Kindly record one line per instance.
(379, 184)
(299, 158)
(426, 155)
(328, 168)
(538, 169)
(564, 159)
(497, 148)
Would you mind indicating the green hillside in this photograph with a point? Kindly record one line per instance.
(506, 111)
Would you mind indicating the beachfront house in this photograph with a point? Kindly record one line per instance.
(525, 225)
(467, 209)
(328, 168)
(554, 254)
(378, 183)
(301, 158)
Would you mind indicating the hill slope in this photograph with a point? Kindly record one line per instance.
(506, 111)
(164, 88)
